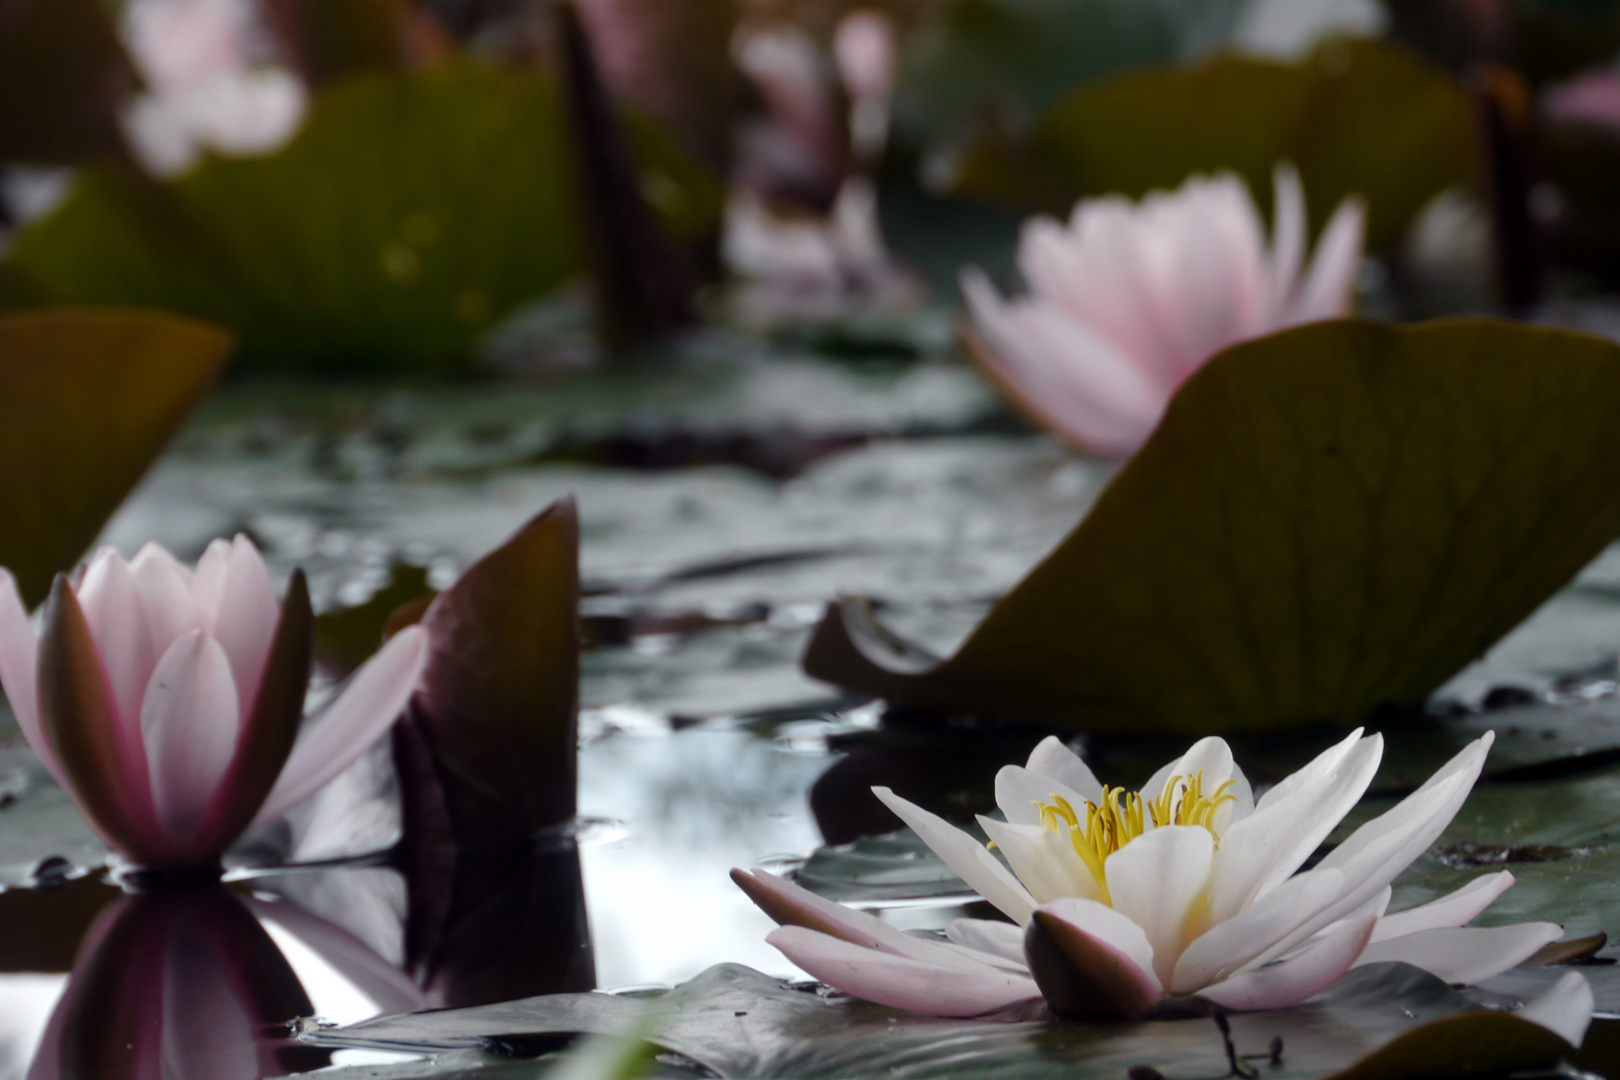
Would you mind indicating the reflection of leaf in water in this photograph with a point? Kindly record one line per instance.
(1328, 520)
(740, 1023)
(410, 213)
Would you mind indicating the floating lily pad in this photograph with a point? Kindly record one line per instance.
(91, 399)
(1357, 117)
(1328, 520)
(739, 1023)
(410, 213)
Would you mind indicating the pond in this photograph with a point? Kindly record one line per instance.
(719, 513)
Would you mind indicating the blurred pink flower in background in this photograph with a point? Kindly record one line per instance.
(1590, 100)
(1128, 299)
(168, 701)
(208, 85)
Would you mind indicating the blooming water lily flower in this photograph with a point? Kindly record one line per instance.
(1191, 888)
(168, 701)
(1129, 299)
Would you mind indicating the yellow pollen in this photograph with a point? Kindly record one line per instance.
(1103, 828)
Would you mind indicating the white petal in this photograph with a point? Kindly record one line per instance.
(1302, 975)
(164, 583)
(1155, 880)
(1378, 851)
(1018, 790)
(1227, 946)
(964, 855)
(1111, 926)
(1259, 852)
(112, 607)
(247, 617)
(19, 665)
(208, 580)
(1044, 861)
(365, 709)
(1287, 237)
(1209, 757)
(1055, 761)
(1329, 288)
(1465, 954)
(1565, 1010)
(900, 982)
(1453, 909)
(190, 725)
(992, 937)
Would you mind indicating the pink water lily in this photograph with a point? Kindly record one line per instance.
(1121, 901)
(168, 701)
(1129, 299)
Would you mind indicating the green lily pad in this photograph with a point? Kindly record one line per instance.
(91, 399)
(1357, 117)
(1016, 57)
(1385, 1020)
(409, 214)
(1327, 521)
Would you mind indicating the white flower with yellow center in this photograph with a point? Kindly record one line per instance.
(1190, 888)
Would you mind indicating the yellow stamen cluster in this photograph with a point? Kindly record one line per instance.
(1123, 815)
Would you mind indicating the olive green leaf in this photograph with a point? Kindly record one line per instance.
(1328, 520)
(1357, 117)
(90, 399)
(411, 212)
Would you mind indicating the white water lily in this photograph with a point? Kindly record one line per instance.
(1191, 888)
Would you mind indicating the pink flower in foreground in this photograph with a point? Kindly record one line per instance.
(1129, 299)
(1192, 888)
(168, 701)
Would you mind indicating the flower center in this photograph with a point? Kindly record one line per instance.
(1123, 815)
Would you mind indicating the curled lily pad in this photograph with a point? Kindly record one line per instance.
(1328, 520)
(1380, 1020)
(1357, 117)
(91, 398)
(410, 213)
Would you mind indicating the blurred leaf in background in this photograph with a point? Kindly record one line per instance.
(1356, 117)
(410, 213)
(63, 79)
(332, 38)
(91, 398)
(1542, 39)
(1329, 520)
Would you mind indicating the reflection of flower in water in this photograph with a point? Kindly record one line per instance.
(1121, 901)
(207, 87)
(188, 983)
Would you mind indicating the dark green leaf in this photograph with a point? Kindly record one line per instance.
(409, 214)
(332, 38)
(1328, 520)
(498, 708)
(346, 637)
(90, 399)
(740, 1023)
(1358, 117)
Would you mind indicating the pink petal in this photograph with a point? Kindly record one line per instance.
(1091, 962)
(246, 618)
(1287, 238)
(1465, 954)
(898, 981)
(19, 666)
(208, 580)
(164, 584)
(1228, 945)
(1291, 981)
(970, 860)
(365, 709)
(1002, 940)
(1330, 287)
(1565, 1010)
(190, 721)
(389, 988)
(112, 607)
(1453, 909)
(793, 905)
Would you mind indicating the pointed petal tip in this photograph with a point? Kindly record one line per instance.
(1082, 975)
